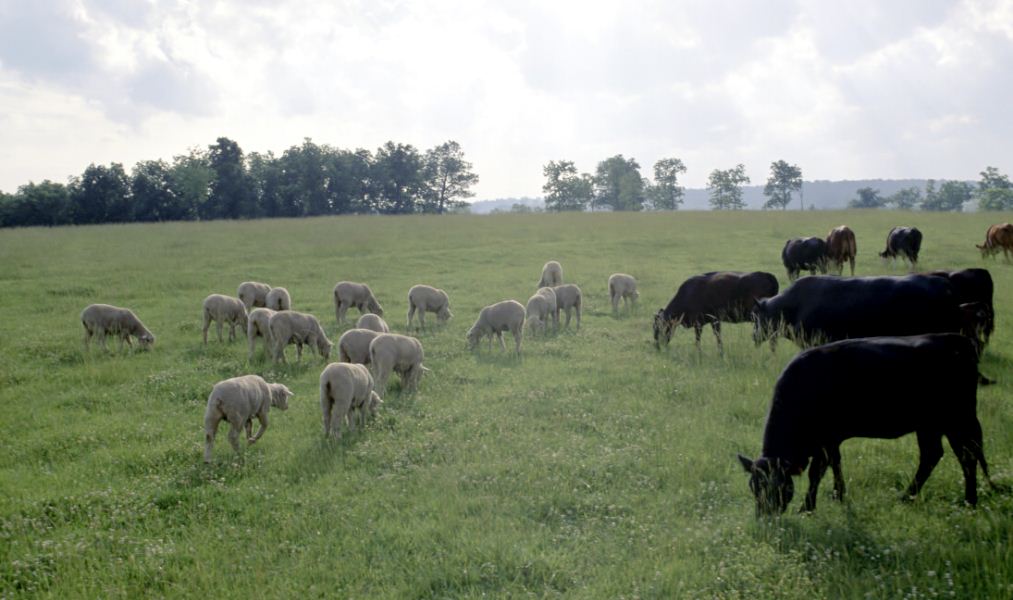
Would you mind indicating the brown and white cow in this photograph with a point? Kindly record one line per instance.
(998, 237)
(841, 247)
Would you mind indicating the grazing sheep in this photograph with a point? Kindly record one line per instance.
(278, 299)
(102, 319)
(346, 391)
(290, 326)
(568, 297)
(507, 315)
(223, 309)
(552, 275)
(425, 298)
(622, 286)
(538, 312)
(550, 295)
(401, 354)
(348, 294)
(253, 294)
(238, 401)
(258, 326)
(374, 322)
(353, 346)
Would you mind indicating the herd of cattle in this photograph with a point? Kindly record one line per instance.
(903, 349)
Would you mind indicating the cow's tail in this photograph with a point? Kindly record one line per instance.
(852, 247)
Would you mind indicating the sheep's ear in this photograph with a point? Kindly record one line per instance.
(747, 463)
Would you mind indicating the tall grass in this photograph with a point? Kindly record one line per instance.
(593, 466)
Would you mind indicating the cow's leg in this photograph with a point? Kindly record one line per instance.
(930, 449)
(834, 456)
(716, 328)
(816, 472)
(852, 261)
(698, 331)
(962, 447)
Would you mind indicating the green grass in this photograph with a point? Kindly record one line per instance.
(592, 467)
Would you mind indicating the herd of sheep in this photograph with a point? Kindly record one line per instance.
(350, 390)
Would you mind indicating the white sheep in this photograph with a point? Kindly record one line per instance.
(238, 401)
(346, 390)
(353, 345)
(424, 298)
(253, 294)
(623, 286)
(223, 309)
(348, 294)
(259, 326)
(401, 354)
(568, 297)
(374, 322)
(102, 319)
(291, 326)
(538, 312)
(552, 274)
(550, 295)
(278, 299)
(507, 315)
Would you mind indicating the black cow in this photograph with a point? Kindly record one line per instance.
(804, 254)
(711, 298)
(973, 286)
(905, 242)
(873, 388)
(827, 308)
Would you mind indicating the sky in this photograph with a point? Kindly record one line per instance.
(846, 90)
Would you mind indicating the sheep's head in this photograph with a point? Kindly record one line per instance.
(444, 314)
(146, 340)
(280, 395)
(473, 335)
(636, 295)
(374, 307)
(374, 403)
(324, 346)
(771, 484)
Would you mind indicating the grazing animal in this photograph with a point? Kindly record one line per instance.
(712, 298)
(904, 242)
(827, 308)
(424, 298)
(998, 237)
(538, 312)
(346, 392)
(882, 387)
(278, 299)
(374, 322)
(253, 294)
(238, 401)
(353, 345)
(494, 319)
(568, 298)
(841, 247)
(804, 254)
(550, 295)
(348, 294)
(552, 274)
(973, 286)
(223, 309)
(293, 327)
(624, 287)
(102, 319)
(395, 353)
(258, 325)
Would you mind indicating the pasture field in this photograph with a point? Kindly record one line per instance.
(593, 467)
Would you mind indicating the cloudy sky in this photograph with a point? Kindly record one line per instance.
(857, 89)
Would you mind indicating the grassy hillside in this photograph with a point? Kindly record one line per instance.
(592, 467)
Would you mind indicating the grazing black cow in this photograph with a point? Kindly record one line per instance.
(973, 286)
(873, 388)
(804, 254)
(711, 298)
(905, 242)
(826, 308)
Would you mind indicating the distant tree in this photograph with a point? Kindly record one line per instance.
(266, 179)
(951, 196)
(102, 195)
(190, 178)
(726, 188)
(231, 194)
(448, 177)
(666, 193)
(867, 198)
(783, 180)
(618, 184)
(154, 198)
(396, 177)
(348, 180)
(995, 191)
(904, 199)
(47, 203)
(303, 188)
(520, 207)
(566, 189)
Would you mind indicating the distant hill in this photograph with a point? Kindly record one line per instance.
(822, 194)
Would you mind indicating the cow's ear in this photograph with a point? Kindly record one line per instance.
(747, 463)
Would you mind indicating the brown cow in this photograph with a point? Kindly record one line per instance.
(998, 237)
(840, 247)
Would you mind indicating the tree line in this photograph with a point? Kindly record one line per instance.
(618, 185)
(221, 182)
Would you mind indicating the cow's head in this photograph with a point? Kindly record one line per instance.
(762, 324)
(771, 484)
(663, 328)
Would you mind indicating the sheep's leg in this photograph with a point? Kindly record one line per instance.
(339, 414)
(120, 350)
(249, 430)
(411, 314)
(207, 324)
(298, 351)
(517, 331)
(325, 409)
(232, 331)
(422, 319)
(263, 426)
(578, 310)
(614, 298)
(102, 340)
(87, 340)
(502, 345)
(567, 325)
(930, 449)
(211, 422)
(253, 346)
(218, 330)
(234, 429)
